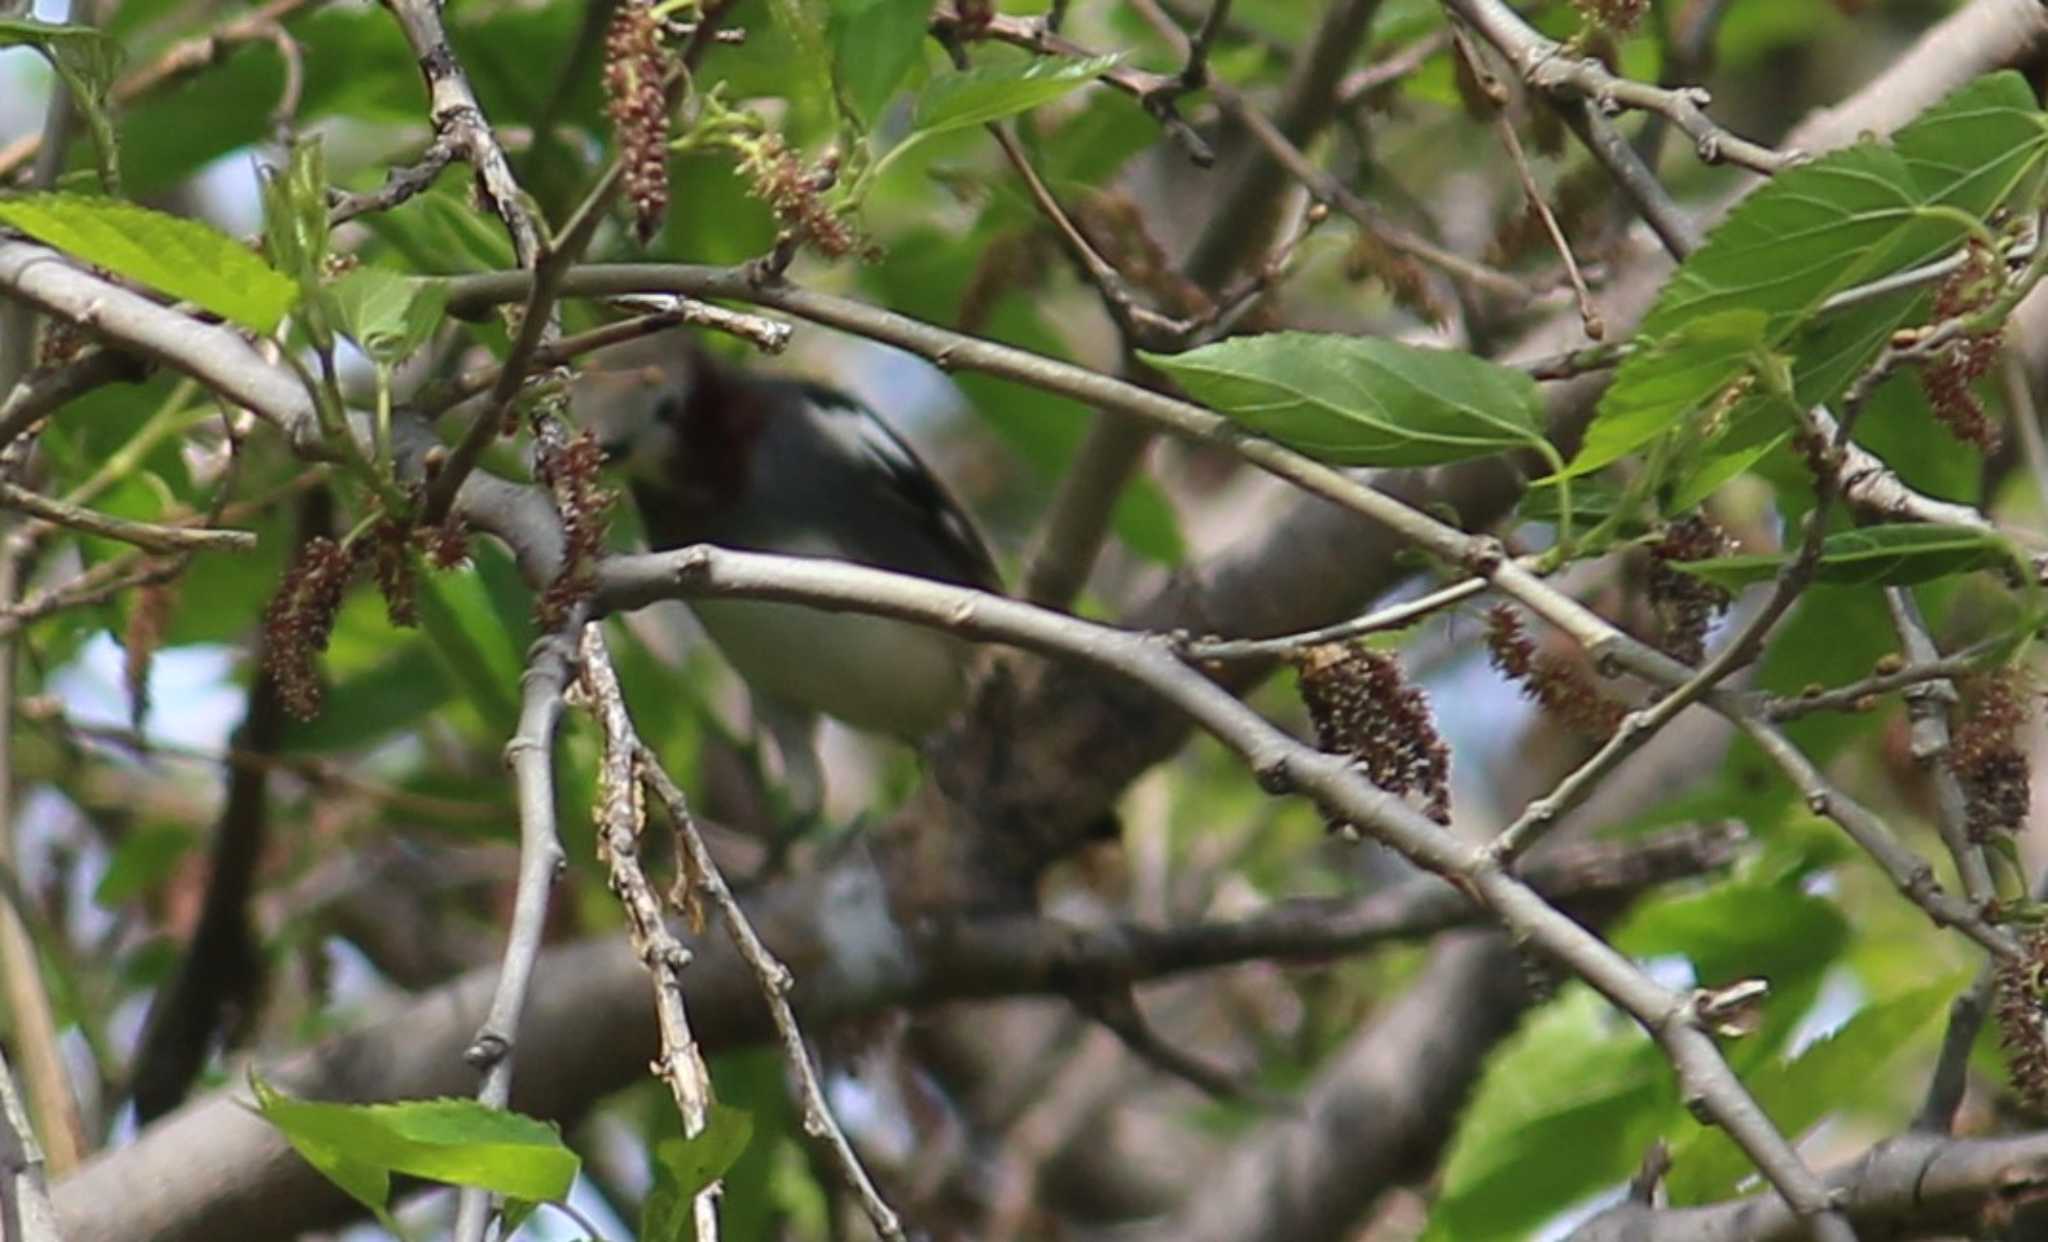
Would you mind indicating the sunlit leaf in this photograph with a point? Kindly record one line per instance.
(1363, 401)
(1759, 282)
(183, 258)
(447, 1140)
(1871, 556)
(874, 44)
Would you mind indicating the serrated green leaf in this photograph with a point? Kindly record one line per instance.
(364, 1181)
(1897, 555)
(1358, 401)
(387, 315)
(991, 92)
(447, 1140)
(181, 257)
(874, 44)
(1813, 231)
(1682, 372)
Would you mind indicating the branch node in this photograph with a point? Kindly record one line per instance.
(1273, 775)
(486, 1050)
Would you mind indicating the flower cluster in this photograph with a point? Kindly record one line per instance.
(148, 619)
(1559, 686)
(1948, 376)
(1362, 707)
(2020, 1000)
(300, 619)
(388, 547)
(1616, 16)
(570, 471)
(1686, 605)
(1986, 758)
(796, 194)
(636, 68)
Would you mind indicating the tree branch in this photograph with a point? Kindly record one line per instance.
(214, 1170)
(1913, 1185)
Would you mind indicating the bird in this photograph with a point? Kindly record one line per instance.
(757, 462)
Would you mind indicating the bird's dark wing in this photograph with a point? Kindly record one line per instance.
(912, 484)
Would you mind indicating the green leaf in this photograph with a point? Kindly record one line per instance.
(145, 857)
(1740, 928)
(803, 23)
(1565, 1106)
(682, 1167)
(449, 1140)
(991, 92)
(1799, 1091)
(183, 258)
(874, 44)
(1673, 377)
(1896, 555)
(87, 60)
(1358, 401)
(370, 706)
(1813, 231)
(387, 315)
(475, 645)
(1592, 503)
(367, 1182)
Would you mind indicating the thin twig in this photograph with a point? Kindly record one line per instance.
(1393, 617)
(1155, 92)
(1117, 1010)
(537, 327)
(1852, 696)
(1361, 83)
(1949, 1081)
(1195, 73)
(1572, 363)
(1589, 315)
(530, 755)
(459, 121)
(1550, 67)
(150, 536)
(775, 981)
(1672, 225)
(400, 183)
(25, 1211)
(622, 817)
(43, 391)
(1927, 708)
